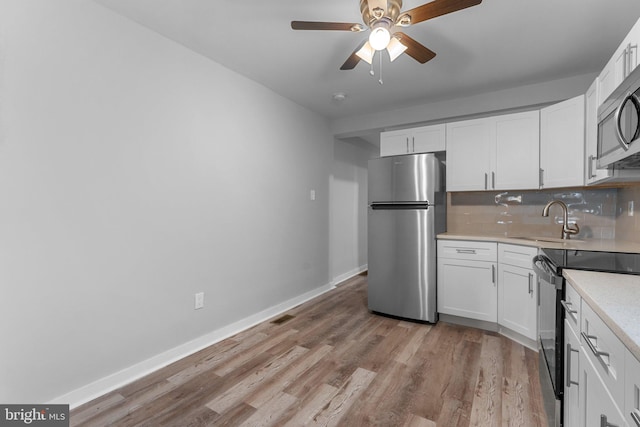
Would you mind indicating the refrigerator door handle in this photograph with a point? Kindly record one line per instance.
(399, 206)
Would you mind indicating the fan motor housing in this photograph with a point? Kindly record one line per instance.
(391, 11)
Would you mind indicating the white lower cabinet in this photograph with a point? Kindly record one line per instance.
(489, 282)
(571, 376)
(598, 407)
(632, 390)
(467, 279)
(517, 289)
(600, 385)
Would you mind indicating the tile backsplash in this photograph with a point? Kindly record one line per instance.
(519, 213)
(628, 226)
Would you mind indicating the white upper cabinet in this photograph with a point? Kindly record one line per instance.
(494, 153)
(623, 61)
(562, 144)
(517, 151)
(425, 139)
(470, 148)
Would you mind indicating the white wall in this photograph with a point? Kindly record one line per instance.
(349, 208)
(134, 173)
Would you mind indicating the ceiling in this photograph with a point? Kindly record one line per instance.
(496, 45)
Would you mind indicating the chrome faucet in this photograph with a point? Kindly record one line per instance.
(567, 230)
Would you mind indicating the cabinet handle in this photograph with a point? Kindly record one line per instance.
(407, 144)
(466, 251)
(605, 423)
(569, 310)
(635, 416)
(569, 351)
(594, 349)
(530, 283)
(486, 180)
(493, 274)
(592, 159)
(541, 178)
(625, 61)
(493, 180)
(413, 143)
(629, 61)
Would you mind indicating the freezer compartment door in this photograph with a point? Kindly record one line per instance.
(402, 263)
(413, 178)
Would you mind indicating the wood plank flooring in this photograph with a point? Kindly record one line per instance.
(335, 364)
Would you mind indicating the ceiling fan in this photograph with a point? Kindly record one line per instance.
(384, 19)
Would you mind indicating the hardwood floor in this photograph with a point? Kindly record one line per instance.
(335, 364)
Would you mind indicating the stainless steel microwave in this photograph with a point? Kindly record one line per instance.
(619, 126)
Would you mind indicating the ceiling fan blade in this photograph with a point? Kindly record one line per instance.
(353, 59)
(414, 49)
(438, 8)
(333, 26)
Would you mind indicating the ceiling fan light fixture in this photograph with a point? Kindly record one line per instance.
(379, 37)
(366, 53)
(395, 48)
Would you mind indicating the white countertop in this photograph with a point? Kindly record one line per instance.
(616, 299)
(587, 245)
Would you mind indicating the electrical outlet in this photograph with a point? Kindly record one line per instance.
(312, 195)
(199, 300)
(630, 210)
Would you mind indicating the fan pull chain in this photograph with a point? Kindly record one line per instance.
(380, 79)
(371, 70)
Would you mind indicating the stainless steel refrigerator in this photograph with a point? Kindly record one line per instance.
(407, 209)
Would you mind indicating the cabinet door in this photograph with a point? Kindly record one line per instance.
(633, 40)
(470, 148)
(632, 390)
(623, 61)
(517, 300)
(607, 80)
(626, 57)
(467, 289)
(621, 66)
(597, 407)
(395, 142)
(517, 151)
(562, 144)
(429, 139)
(571, 376)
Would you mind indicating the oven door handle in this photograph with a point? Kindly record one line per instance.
(542, 267)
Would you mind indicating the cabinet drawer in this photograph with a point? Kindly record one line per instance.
(516, 255)
(605, 350)
(469, 250)
(572, 307)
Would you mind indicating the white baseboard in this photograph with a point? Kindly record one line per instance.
(350, 274)
(118, 379)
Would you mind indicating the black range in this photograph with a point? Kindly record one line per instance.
(608, 262)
